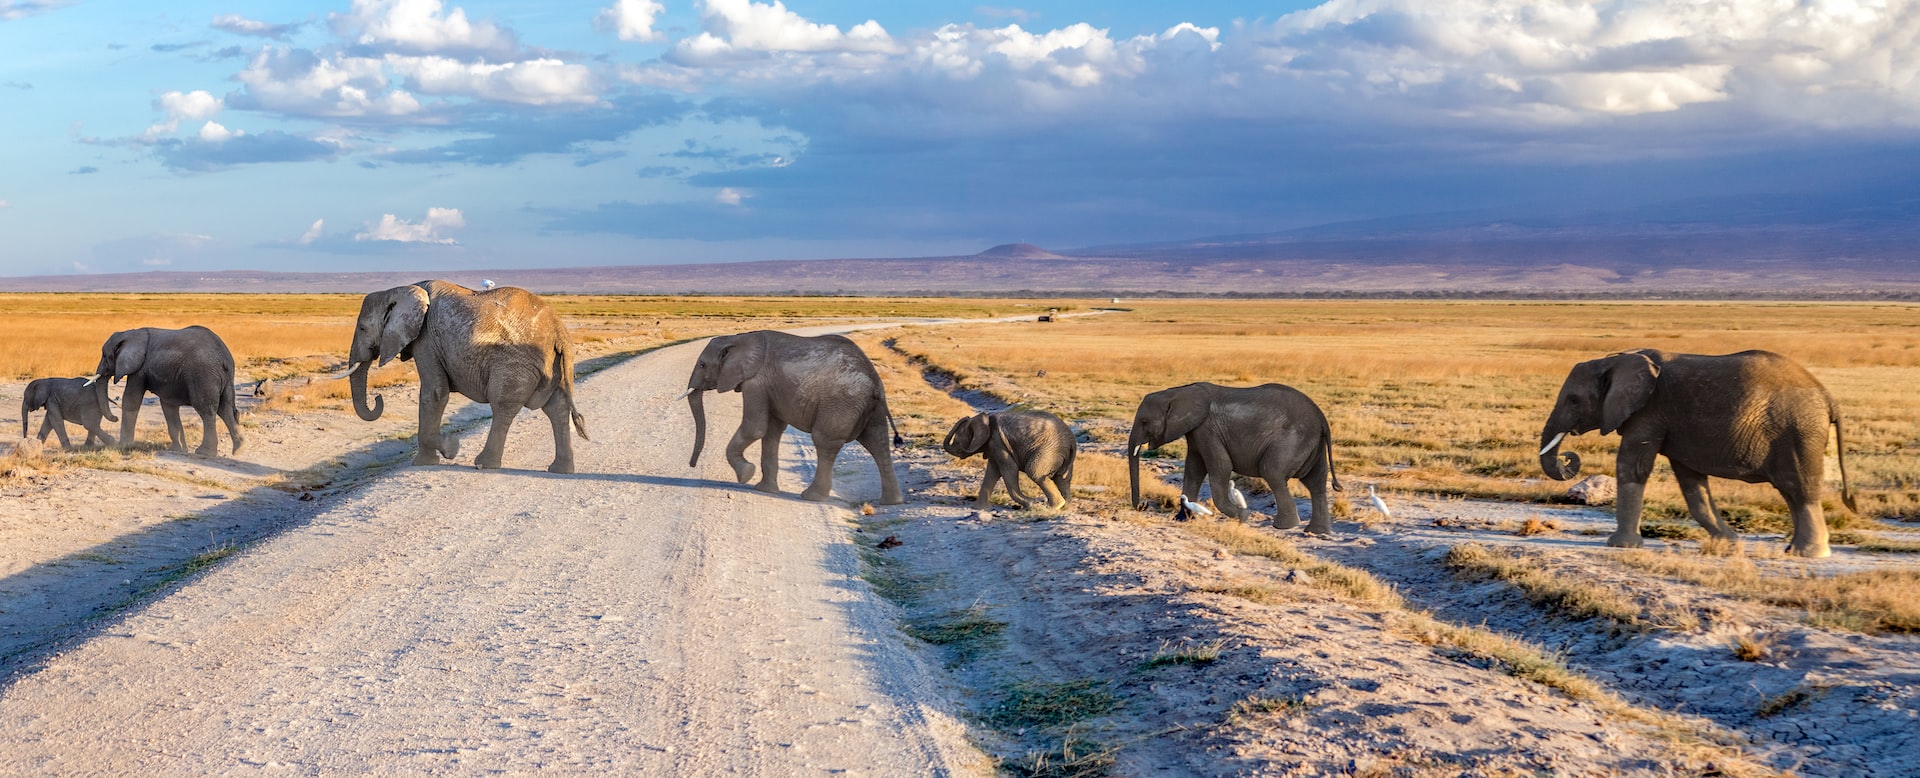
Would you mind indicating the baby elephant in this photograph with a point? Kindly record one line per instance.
(67, 400)
(1033, 442)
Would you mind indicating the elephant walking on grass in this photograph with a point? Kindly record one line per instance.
(1035, 443)
(1271, 431)
(78, 400)
(824, 386)
(504, 347)
(189, 366)
(1754, 416)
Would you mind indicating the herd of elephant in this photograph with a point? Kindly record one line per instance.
(1754, 416)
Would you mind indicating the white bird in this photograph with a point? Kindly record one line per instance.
(1195, 508)
(486, 283)
(1378, 504)
(1239, 500)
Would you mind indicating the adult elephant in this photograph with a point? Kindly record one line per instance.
(1754, 416)
(189, 366)
(1035, 443)
(1271, 431)
(503, 346)
(822, 385)
(76, 400)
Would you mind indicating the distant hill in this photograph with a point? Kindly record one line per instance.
(1780, 246)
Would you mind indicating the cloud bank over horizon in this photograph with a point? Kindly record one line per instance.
(657, 130)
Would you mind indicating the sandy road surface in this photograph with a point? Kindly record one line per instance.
(639, 617)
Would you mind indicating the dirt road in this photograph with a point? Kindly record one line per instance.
(641, 617)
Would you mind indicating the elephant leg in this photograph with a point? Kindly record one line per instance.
(55, 424)
(1693, 487)
(1321, 522)
(230, 416)
(1221, 481)
(1194, 476)
(433, 404)
(130, 401)
(1286, 515)
(1063, 486)
(825, 451)
(752, 429)
(987, 482)
(176, 434)
(1056, 498)
(1632, 468)
(770, 457)
(560, 412)
(1002, 461)
(879, 444)
(491, 454)
(94, 431)
(1799, 485)
(209, 437)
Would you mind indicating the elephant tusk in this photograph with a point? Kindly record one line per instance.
(683, 395)
(1552, 443)
(1138, 450)
(90, 381)
(350, 371)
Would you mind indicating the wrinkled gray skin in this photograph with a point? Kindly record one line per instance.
(74, 400)
(504, 347)
(1754, 416)
(189, 366)
(824, 386)
(1035, 443)
(1271, 431)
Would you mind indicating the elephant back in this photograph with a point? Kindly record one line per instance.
(1041, 441)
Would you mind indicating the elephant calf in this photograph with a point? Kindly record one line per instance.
(1272, 431)
(190, 366)
(74, 400)
(1036, 443)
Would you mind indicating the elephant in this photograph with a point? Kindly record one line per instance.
(188, 366)
(1036, 443)
(824, 386)
(76, 400)
(1753, 416)
(1271, 431)
(503, 346)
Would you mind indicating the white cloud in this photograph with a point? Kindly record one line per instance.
(21, 9)
(301, 82)
(178, 106)
(632, 20)
(736, 27)
(313, 233)
(420, 27)
(433, 230)
(532, 82)
(729, 196)
(6, 204)
(214, 132)
(240, 25)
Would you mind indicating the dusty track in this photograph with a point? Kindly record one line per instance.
(445, 619)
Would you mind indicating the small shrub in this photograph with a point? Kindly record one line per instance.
(1187, 652)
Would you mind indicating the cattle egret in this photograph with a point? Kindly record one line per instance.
(1378, 504)
(1239, 500)
(486, 283)
(1195, 508)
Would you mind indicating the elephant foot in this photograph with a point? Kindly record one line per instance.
(563, 468)
(743, 472)
(767, 486)
(1622, 540)
(450, 448)
(810, 495)
(1288, 522)
(237, 443)
(485, 462)
(426, 457)
(1809, 550)
(1323, 530)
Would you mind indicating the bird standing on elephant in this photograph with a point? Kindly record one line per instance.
(1035, 443)
(1755, 416)
(76, 400)
(824, 386)
(1271, 431)
(188, 366)
(504, 346)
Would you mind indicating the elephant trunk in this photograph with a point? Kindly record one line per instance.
(26, 407)
(698, 405)
(358, 380)
(1134, 444)
(106, 403)
(1558, 465)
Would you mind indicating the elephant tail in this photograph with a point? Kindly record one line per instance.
(1326, 438)
(563, 376)
(1840, 446)
(897, 440)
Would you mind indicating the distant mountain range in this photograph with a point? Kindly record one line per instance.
(1783, 246)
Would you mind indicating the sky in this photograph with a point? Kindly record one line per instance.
(423, 134)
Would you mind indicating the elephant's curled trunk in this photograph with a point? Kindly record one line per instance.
(698, 406)
(106, 403)
(1558, 465)
(358, 380)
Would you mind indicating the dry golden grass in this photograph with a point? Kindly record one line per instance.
(1872, 601)
(1574, 597)
(1449, 397)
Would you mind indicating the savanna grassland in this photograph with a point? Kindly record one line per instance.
(1449, 397)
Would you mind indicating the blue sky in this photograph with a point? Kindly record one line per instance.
(366, 134)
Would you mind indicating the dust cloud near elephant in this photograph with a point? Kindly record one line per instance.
(189, 366)
(1034, 443)
(824, 386)
(1271, 431)
(1755, 416)
(77, 400)
(504, 346)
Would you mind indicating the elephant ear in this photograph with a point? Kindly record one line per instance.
(742, 361)
(406, 315)
(1186, 411)
(129, 351)
(970, 435)
(1630, 380)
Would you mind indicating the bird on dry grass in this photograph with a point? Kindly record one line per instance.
(1239, 500)
(1379, 505)
(1190, 509)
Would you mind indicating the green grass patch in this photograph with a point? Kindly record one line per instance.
(1042, 705)
(965, 633)
(1071, 758)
